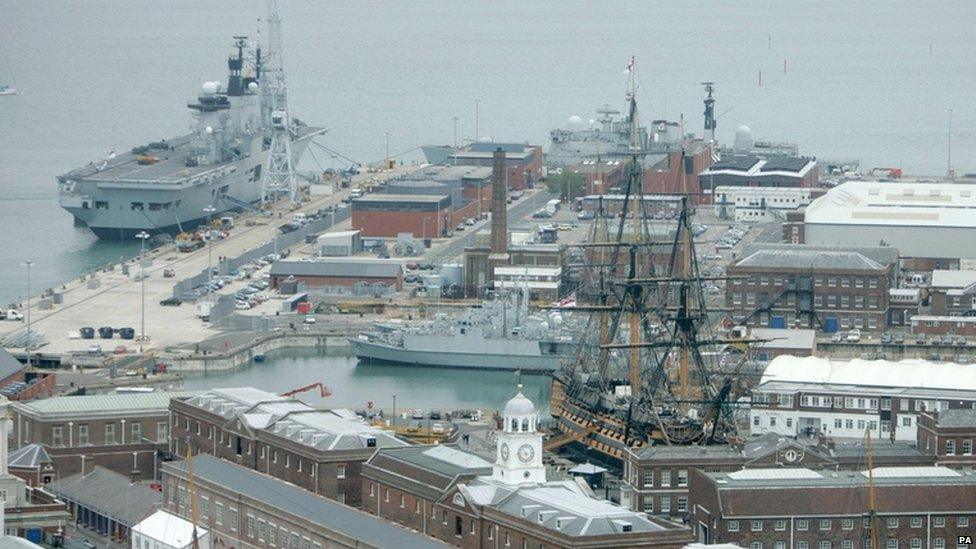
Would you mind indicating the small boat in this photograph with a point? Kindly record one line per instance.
(7, 90)
(259, 357)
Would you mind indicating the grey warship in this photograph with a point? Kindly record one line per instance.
(501, 334)
(165, 186)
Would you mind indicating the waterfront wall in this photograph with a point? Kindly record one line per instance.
(245, 354)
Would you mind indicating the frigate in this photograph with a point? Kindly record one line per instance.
(172, 185)
(501, 334)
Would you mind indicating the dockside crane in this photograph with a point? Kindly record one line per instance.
(323, 390)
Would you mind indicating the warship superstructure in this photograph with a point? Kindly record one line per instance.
(165, 186)
(502, 334)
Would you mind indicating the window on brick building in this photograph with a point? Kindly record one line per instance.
(83, 436)
(648, 477)
(682, 504)
(756, 526)
(950, 447)
(386, 496)
(967, 447)
(250, 526)
(938, 543)
(665, 477)
(779, 545)
(938, 522)
(916, 543)
(403, 501)
(891, 543)
(57, 437)
(648, 504)
(824, 544)
(962, 522)
(262, 529)
(665, 504)
(732, 526)
(416, 506)
(219, 514)
(916, 522)
(847, 544)
(272, 534)
(682, 477)
(756, 545)
(847, 524)
(232, 519)
(892, 522)
(802, 524)
(802, 545)
(341, 471)
(825, 524)
(341, 496)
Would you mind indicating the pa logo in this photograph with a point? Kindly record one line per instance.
(964, 540)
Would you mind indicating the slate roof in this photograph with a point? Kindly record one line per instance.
(290, 499)
(350, 269)
(9, 365)
(110, 494)
(324, 430)
(803, 254)
(672, 453)
(957, 418)
(562, 506)
(801, 258)
(30, 456)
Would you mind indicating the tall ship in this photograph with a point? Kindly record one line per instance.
(648, 370)
(220, 165)
(502, 334)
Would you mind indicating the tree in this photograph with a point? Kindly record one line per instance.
(568, 185)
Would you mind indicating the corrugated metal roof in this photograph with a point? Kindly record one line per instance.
(351, 269)
(913, 373)
(890, 203)
(116, 402)
(912, 472)
(293, 500)
(791, 473)
(803, 258)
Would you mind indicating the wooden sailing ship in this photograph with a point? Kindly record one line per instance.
(648, 370)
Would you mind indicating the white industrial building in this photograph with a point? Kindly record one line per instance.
(812, 395)
(760, 204)
(922, 220)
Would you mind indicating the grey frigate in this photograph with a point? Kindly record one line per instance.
(501, 334)
(166, 186)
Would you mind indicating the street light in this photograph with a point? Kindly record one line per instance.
(143, 235)
(209, 210)
(394, 414)
(455, 130)
(29, 263)
(477, 115)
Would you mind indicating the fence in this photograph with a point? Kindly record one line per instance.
(182, 289)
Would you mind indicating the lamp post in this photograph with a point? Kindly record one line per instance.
(949, 143)
(29, 345)
(455, 131)
(209, 210)
(143, 236)
(394, 414)
(477, 116)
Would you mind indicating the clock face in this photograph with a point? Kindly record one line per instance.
(526, 453)
(504, 451)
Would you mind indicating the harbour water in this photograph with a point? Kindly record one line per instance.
(354, 385)
(871, 79)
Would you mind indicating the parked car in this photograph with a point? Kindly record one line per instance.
(837, 337)
(169, 273)
(309, 319)
(171, 302)
(417, 414)
(14, 314)
(854, 336)
(460, 227)
(242, 305)
(920, 339)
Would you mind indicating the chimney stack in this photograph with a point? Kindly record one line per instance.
(499, 213)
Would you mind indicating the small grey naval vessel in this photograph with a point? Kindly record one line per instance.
(164, 187)
(500, 335)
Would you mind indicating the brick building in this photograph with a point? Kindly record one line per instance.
(460, 498)
(805, 509)
(964, 326)
(523, 162)
(469, 188)
(318, 450)
(655, 478)
(952, 292)
(826, 288)
(600, 175)
(247, 509)
(16, 383)
(344, 273)
(754, 171)
(387, 215)
(125, 432)
(949, 436)
(675, 174)
(812, 396)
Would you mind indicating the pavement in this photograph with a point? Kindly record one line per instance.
(116, 302)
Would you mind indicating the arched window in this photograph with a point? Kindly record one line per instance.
(525, 425)
(514, 425)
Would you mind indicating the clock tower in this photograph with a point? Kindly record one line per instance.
(518, 457)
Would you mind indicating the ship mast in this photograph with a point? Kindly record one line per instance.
(872, 512)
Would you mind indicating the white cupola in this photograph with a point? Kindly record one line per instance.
(519, 452)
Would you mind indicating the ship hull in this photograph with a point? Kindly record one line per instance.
(109, 209)
(377, 352)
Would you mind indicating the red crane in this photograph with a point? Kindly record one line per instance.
(323, 390)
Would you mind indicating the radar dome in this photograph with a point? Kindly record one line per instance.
(485, 139)
(574, 123)
(743, 138)
(209, 130)
(211, 87)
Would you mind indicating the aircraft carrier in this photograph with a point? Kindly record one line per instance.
(165, 186)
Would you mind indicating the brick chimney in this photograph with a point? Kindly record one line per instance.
(499, 213)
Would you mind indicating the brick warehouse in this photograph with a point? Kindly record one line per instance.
(820, 287)
(523, 163)
(804, 509)
(338, 272)
(121, 432)
(387, 215)
(318, 450)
